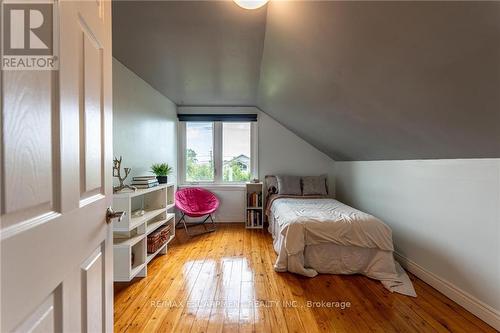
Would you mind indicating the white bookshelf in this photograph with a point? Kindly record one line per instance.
(254, 211)
(130, 234)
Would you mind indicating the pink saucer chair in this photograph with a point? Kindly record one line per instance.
(196, 202)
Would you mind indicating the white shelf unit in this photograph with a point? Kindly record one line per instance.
(254, 212)
(130, 234)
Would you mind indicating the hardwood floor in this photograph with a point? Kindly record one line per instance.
(225, 282)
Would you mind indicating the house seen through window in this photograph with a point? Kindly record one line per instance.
(214, 146)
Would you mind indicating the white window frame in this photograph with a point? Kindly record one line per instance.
(217, 154)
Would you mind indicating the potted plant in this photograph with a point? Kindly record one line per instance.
(161, 170)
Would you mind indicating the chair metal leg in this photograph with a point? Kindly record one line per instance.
(183, 220)
(194, 224)
(213, 222)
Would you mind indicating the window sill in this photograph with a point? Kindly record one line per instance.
(222, 187)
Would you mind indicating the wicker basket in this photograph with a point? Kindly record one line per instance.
(158, 238)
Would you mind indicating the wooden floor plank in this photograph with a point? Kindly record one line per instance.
(225, 282)
(145, 291)
(247, 289)
(171, 320)
(203, 281)
(204, 310)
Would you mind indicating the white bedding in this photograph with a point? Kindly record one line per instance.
(323, 235)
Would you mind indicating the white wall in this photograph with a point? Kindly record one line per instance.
(144, 123)
(280, 152)
(283, 152)
(445, 217)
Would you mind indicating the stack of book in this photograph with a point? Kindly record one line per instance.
(144, 181)
(254, 218)
(254, 199)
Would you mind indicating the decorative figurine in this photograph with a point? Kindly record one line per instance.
(117, 173)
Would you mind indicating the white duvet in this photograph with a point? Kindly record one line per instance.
(323, 235)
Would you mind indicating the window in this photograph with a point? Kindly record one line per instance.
(236, 152)
(199, 152)
(217, 152)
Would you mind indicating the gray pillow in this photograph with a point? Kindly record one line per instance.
(315, 185)
(289, 185)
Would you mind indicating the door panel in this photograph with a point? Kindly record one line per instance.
(93, 285)
(28, 145)
(56, 248)
(91, 95)
(46, 318)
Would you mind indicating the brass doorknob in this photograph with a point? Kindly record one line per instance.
(111, 214)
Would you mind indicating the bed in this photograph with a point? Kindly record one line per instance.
(317, 234)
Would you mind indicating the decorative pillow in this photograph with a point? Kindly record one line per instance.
(314, 185)
(272, 184)
(289, 185)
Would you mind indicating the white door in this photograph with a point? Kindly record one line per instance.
(56, 161)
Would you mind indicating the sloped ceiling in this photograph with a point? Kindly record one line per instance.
(358, 80)
(194, 52)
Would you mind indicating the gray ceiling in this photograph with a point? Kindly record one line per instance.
(196, 53)
(358, 80)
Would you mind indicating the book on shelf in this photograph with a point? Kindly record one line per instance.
(254, 218)
(143, 178)
(254, 199)
(144, 182)
(144, 186)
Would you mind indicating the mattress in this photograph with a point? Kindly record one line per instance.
(322, 235)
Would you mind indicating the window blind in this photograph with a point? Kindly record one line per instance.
(218, 117)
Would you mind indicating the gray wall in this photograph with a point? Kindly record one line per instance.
(445, 217)
(144, 123)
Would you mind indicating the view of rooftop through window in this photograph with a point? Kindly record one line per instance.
(236, 152)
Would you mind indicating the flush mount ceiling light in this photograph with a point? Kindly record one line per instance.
(250, 4)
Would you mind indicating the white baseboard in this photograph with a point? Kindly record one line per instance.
(469, 302)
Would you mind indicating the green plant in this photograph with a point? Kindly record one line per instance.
(161, 169)
(198, 171)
